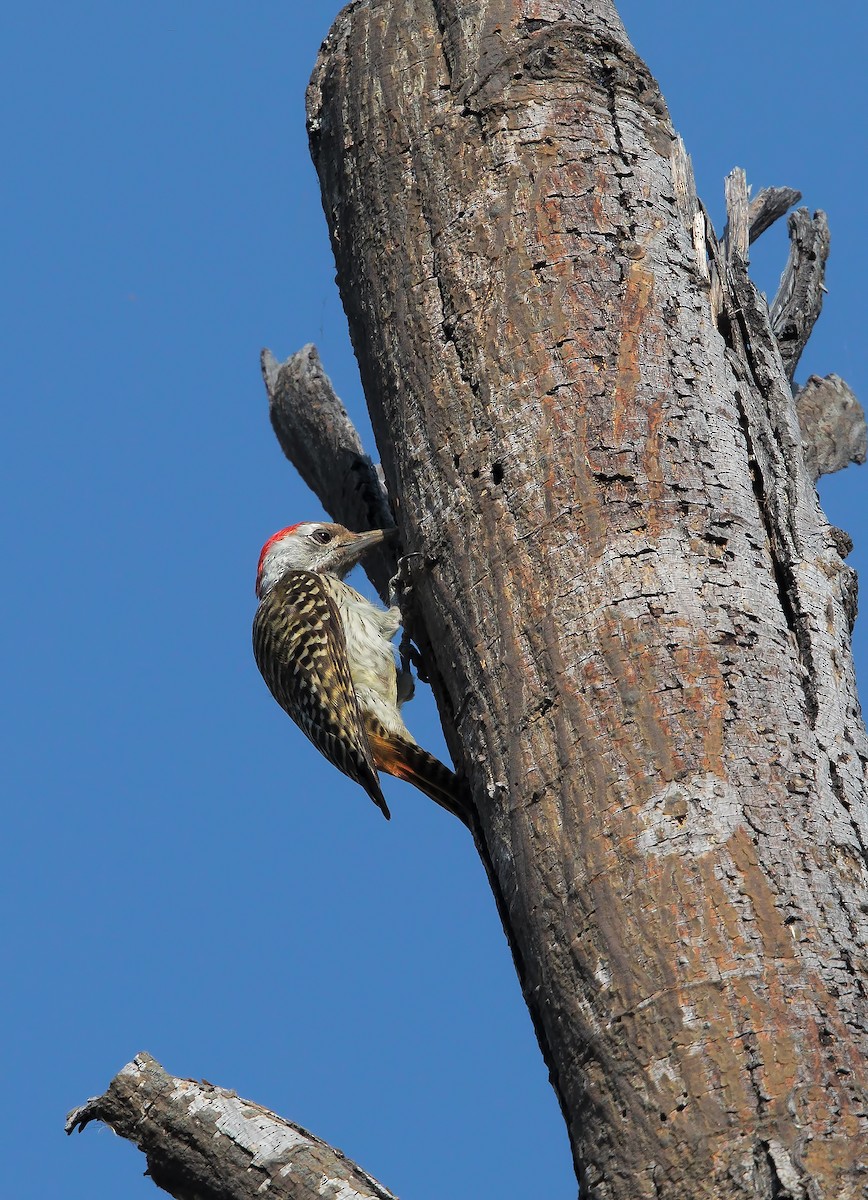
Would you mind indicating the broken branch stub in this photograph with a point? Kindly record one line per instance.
(205, 1141)
(797, 305)
(831, 419)
(317, 436)
(767, 206)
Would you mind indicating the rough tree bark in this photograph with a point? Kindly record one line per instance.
(637, 608)
(634, 613)
(206, 1142)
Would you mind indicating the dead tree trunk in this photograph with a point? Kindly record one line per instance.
(635, 616)
(637, 611)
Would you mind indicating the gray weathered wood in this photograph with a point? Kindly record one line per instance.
(318, 437)
(750, 218)
(800, 295)
(206, 1142)
(768, 205)
(637, 612)
(736, 236)
(690, 210)
(833, 425)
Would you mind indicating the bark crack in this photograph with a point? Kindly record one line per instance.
(840, 791)
(781, 1177)
(782, 571)
(442, 30)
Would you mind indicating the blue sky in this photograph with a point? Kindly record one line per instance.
(180, 871)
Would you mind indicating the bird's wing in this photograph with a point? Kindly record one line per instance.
(301, 651)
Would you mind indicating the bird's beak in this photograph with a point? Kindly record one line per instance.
(350, 552)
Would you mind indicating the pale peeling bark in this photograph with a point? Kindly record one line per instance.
(206, 1142)
(637, 610)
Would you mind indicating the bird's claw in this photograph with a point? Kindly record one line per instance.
(401, 583)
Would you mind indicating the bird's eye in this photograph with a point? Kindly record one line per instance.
(322, 536)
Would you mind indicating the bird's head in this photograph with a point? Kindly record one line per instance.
(312, 546)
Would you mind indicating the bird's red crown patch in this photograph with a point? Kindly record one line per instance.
(275, 537)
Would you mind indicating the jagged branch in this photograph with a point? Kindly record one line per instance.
(750, 218)
(775, 432)
(736, 235)
(206, 1142)
(317, 436)
(800, 296)
(831, 420)
(767, 206)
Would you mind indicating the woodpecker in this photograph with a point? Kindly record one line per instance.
(326, 654)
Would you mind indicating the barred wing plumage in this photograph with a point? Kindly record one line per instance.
(300, 649)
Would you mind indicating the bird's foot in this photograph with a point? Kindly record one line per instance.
(401, 583)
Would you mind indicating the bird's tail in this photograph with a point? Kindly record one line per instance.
(405, 760)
